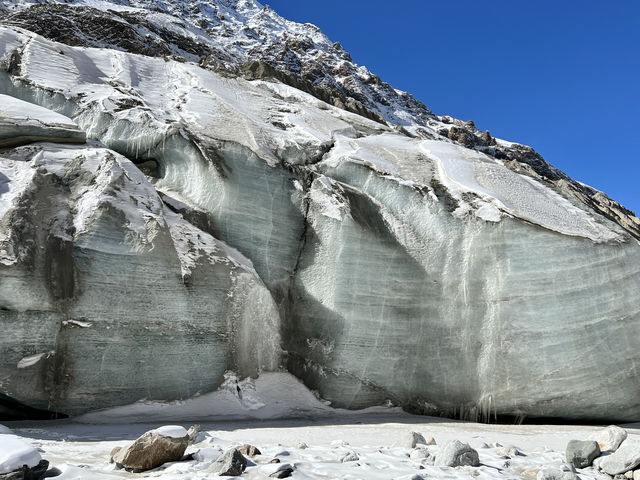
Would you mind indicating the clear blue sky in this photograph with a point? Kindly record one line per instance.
(562, 76)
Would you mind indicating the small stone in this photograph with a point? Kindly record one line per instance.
(248, 450)
(629, 474)
(508, 451)
(609, 439)
(530, 473)
(636, 475)
(277, 471)
(456, 454)
(556, 474)
(350, 457)
(582, 454)
(194, 433)
(431, 441)
(275, 460)
(284, 473)
(302, 446)
(625, 458)
(114, 450)
(411, 439)
(419, 454)
(230, 464)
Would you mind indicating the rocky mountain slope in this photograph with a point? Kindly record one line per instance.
(244, 197)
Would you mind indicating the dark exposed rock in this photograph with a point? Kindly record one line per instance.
(85, 26)
(262, 70)
(284, 473)
(27, 473)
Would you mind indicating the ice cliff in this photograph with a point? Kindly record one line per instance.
(188, 188)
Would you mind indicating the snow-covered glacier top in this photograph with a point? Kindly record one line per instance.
(246, 38)
(230, 33)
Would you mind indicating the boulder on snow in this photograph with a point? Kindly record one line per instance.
(153, 448)
(456, 454)
(581, 454)
(231, 464)
(625, 458)
(610, 438)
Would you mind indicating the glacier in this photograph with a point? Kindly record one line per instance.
(166, 220)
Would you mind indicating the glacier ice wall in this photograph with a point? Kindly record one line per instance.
(270, 229)
(108, 296)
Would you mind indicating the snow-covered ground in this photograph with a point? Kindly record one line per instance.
(315, 447)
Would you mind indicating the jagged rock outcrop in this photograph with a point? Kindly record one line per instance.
(220, 221)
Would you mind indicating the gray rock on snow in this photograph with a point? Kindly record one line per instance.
(411, 439)
(625, 458)
(457, 454)
(610, 438)
(581, 454)
(231, 463)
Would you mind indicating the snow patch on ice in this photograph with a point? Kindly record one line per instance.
(271, 395)
(462, 170)
(325, 193)
(31, 360)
